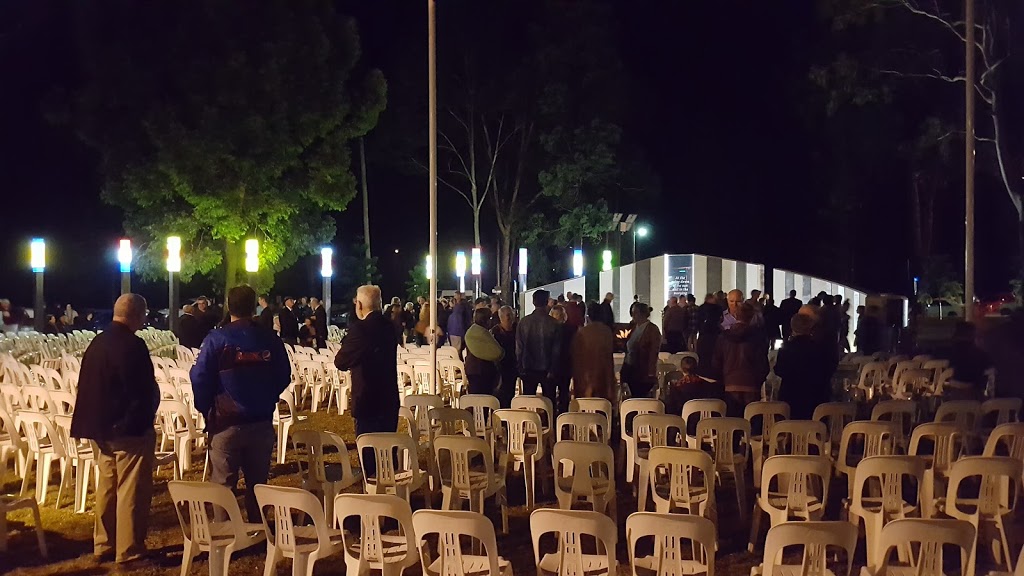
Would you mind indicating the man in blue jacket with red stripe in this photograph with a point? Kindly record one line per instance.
(240, 373)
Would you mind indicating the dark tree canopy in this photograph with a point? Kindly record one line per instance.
(223, 120)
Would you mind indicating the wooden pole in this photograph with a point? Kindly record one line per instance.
(969, 141)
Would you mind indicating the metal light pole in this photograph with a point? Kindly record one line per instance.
(38, 263)
(969, 163)
(124, 258)
(327, 272)
(432, 135)
(173, 266)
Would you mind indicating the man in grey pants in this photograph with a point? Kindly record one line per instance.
(241, 371)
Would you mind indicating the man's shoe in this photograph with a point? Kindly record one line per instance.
(135, 564)
(102, 558)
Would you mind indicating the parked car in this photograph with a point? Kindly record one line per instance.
(943, 308)
(999, 305)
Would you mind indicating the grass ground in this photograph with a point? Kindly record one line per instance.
(69, 535)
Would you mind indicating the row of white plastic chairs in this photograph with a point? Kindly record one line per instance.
(904, 377)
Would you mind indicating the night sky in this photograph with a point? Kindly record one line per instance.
(717, 95)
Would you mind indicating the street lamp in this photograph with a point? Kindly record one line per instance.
(428, 264)
(252, 257)
(577, 262)
(642, 232)
(37, 252)
(474, 263)
(606, 260)
(173, 266)
(124, 258)
(327, 271)
(460, 269)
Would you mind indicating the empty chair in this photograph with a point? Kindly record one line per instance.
(44, 448)
(887, 477)
(582, 427)
(396, 468)
(816, 538)
(585, 470)
(12, 445)
(875, 439)
(766, 414)
(522, 435)
(450, 422)
(370, 548)
(927, 560)
(177, 425)
(964, 414)
(993, 502)
(319, 476)
(198, 505)
(480, 406)
(465, 479)
(628, 410)
(420, 406)
(1006, 440)
(901, 412)
(593, 405)
(542, 406)
(654, 430)
(729, 442)
(792, 487)
(81, 459)
(452, 527)
(10, 504)
(945, 446)
(573, 555)
(682, 479)
(673, 535)
(913, 381)
(798, 438)
(998, 411)
(701, 408)
(303, 544)
(872, 377)
(835, 415)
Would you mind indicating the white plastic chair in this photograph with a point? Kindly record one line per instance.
(835, 415)
(873, 376)
(396, 461)
(729, 440)
(993, 502)
(481, 406)
(450, 422)
(371, 548)
(177, 425)
(964, 414)
(1006, 440)
(541, 405)
(44, 448)
(876, 438)
(798, 438)
(203, 532)
(670, 533)
(887, 476)
(585, 470)
(319, 476)
(12, 445)
(582, 427)
(451, 528)
(800, 491)
(303, 544)
(628, 411)
(653, 430)
(462, 480)
(945, 441)
(81, 459)
(930, 535)
(600, 406)
(682, 479)
(522, 435)
(10, 504)
(998, 411)
(901, 412)
(768, 413)
(571, 556)
(702, 408)
(283, 423)
(815, 537)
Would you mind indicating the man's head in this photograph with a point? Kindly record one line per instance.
(482, 317)
(802, 324)
(577, 298)
(458, 296)
(188, 309)
(540, 298)
(130, 310)
(688, 363)
(302, 301)
(315, 303)
(691, 299)
(558, 313)
(264, 302)
(367, 300)
(792, 293)
(734, 300)
(609, 297)
(744, 312)
(396, 300)
(709, 299)
(755, 294)
(505, 315)
(673, 301)
(420, 300)
(594, 312)
(641, 313)
(289, 303)
(202, 303)
(241, 302)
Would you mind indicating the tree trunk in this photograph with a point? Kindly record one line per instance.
(476, 223)
(366, 201)
(232, 254)
(505, 260)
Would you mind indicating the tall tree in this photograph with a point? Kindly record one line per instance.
(223, 120)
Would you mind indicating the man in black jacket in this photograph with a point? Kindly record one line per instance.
(289, 323)
(319, 323)
(189, 331)
(267, 314)
(369, 352)
(787, 309)
(117, 402)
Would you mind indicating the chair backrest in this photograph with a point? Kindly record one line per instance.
(725, 435)
(450, 421)
(38, 426)
(996, 411)
(521, 432)
(194, 502)
(803, 480)
(872, 376)
(798, 437)
(902, 412)
(996, 472)
(690, 474)
(767, 413)
(1008, 438)
(570, 525)
(393, 454)
(452, 527)
(632, 407)
(963, 413)
(280, 527)
(421, 404)
(461, 452)
(372, 509)
(671, 534)
(10, 428)
(582, 427)
(481, 406)
(913, 380)
(593, 405)
(175, 416)
(63, 402)
(878, 440)
(539, 404)
(660, 429)
(890, 473)
(946, 442)
(931, 535)
(590, 461)
(315, 441)
(37, 399)
(815, 537)
(702, 408)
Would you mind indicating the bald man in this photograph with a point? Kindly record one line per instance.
(734, 300)
(369, 352)
(117, 401)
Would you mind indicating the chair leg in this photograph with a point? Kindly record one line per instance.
(40, 537)
(755, 528)
(273, 557)
(528, 476)
(186, 558)
(645, 480)
(220, 558)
